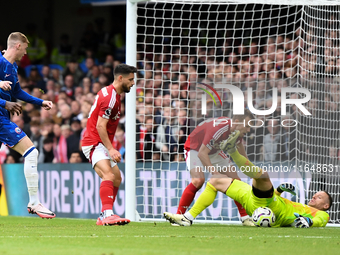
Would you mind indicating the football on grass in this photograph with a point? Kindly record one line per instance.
(263, 217)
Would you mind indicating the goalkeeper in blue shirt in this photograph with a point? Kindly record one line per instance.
(10, 134)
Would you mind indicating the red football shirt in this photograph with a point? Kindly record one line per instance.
(107, 106)
(211, 133)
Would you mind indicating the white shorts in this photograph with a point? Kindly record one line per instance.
(97, 153)
(219, 160)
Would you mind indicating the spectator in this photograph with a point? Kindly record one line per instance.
(69, 85)
(47, 154)
(36, 51)
(75, 157)
(10, 159)
(74, 139)
(75, 109)
(72, 68)
(36, 136)
(35, 80)
(56, 76)
(87, 85)
(85, 109)
(96, 87)
(66, 113)
(61, 54)
(61, 145)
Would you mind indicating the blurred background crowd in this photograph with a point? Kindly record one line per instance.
(168, 102)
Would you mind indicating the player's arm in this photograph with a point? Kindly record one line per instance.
(288, 187)
(319, 220)
(102, 131)
(24, 96)
(2, 103)
(12, 107)
(203, 155)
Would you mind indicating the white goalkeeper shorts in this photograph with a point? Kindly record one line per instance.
(97, 153)
(219, 160)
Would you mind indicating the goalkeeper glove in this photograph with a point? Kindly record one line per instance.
(302, 222)
(288, 187)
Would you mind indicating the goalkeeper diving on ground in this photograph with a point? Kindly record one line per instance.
(260, 194)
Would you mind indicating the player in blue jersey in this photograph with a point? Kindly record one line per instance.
(12, 107)
(10, 134)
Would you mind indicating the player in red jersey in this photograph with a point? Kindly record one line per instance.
(97, 141)
(203, 154)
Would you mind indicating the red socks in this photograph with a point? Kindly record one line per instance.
(107, 193)
(187, 198)
(240, 208)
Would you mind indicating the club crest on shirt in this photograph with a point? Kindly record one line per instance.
(18, 130)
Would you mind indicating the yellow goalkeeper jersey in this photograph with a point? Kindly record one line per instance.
(283, 209)
(287, 208)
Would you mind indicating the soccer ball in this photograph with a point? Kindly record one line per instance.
(263, 217)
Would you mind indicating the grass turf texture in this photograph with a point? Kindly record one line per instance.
(20, 235)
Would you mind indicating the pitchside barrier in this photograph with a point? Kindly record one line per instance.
(72, 190)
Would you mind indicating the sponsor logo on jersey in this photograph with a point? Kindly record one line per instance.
(18, 130)
(6, 75)
(108, 112)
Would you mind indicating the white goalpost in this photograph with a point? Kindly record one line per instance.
(185, 50)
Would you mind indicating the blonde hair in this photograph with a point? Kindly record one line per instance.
(16, 37)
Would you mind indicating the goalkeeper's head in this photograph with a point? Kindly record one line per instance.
(242, 122)
(321, 200)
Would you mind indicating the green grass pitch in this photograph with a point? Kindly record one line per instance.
(20, 235)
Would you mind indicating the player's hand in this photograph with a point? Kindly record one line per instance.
(302, 222)
(47, 105)
(115, 155)
(5, 85)
(13, 107)
(288, 187)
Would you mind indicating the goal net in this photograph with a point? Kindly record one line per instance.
(185, 48)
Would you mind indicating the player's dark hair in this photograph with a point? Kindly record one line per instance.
(329, 198)
(77, 152)
(123, 69)
(247, 113)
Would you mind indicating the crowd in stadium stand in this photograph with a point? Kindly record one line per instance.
(168, 104)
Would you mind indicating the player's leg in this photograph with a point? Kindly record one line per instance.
(109, 172)
(204, 200)
(261, 179)
(197, 181)
(190, 191)
(26, 148)
(224, 165)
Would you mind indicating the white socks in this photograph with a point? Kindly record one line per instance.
(244, 218)
(107, 213)
(189, 216)
(31, 174)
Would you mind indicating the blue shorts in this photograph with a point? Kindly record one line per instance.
(10, 133)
